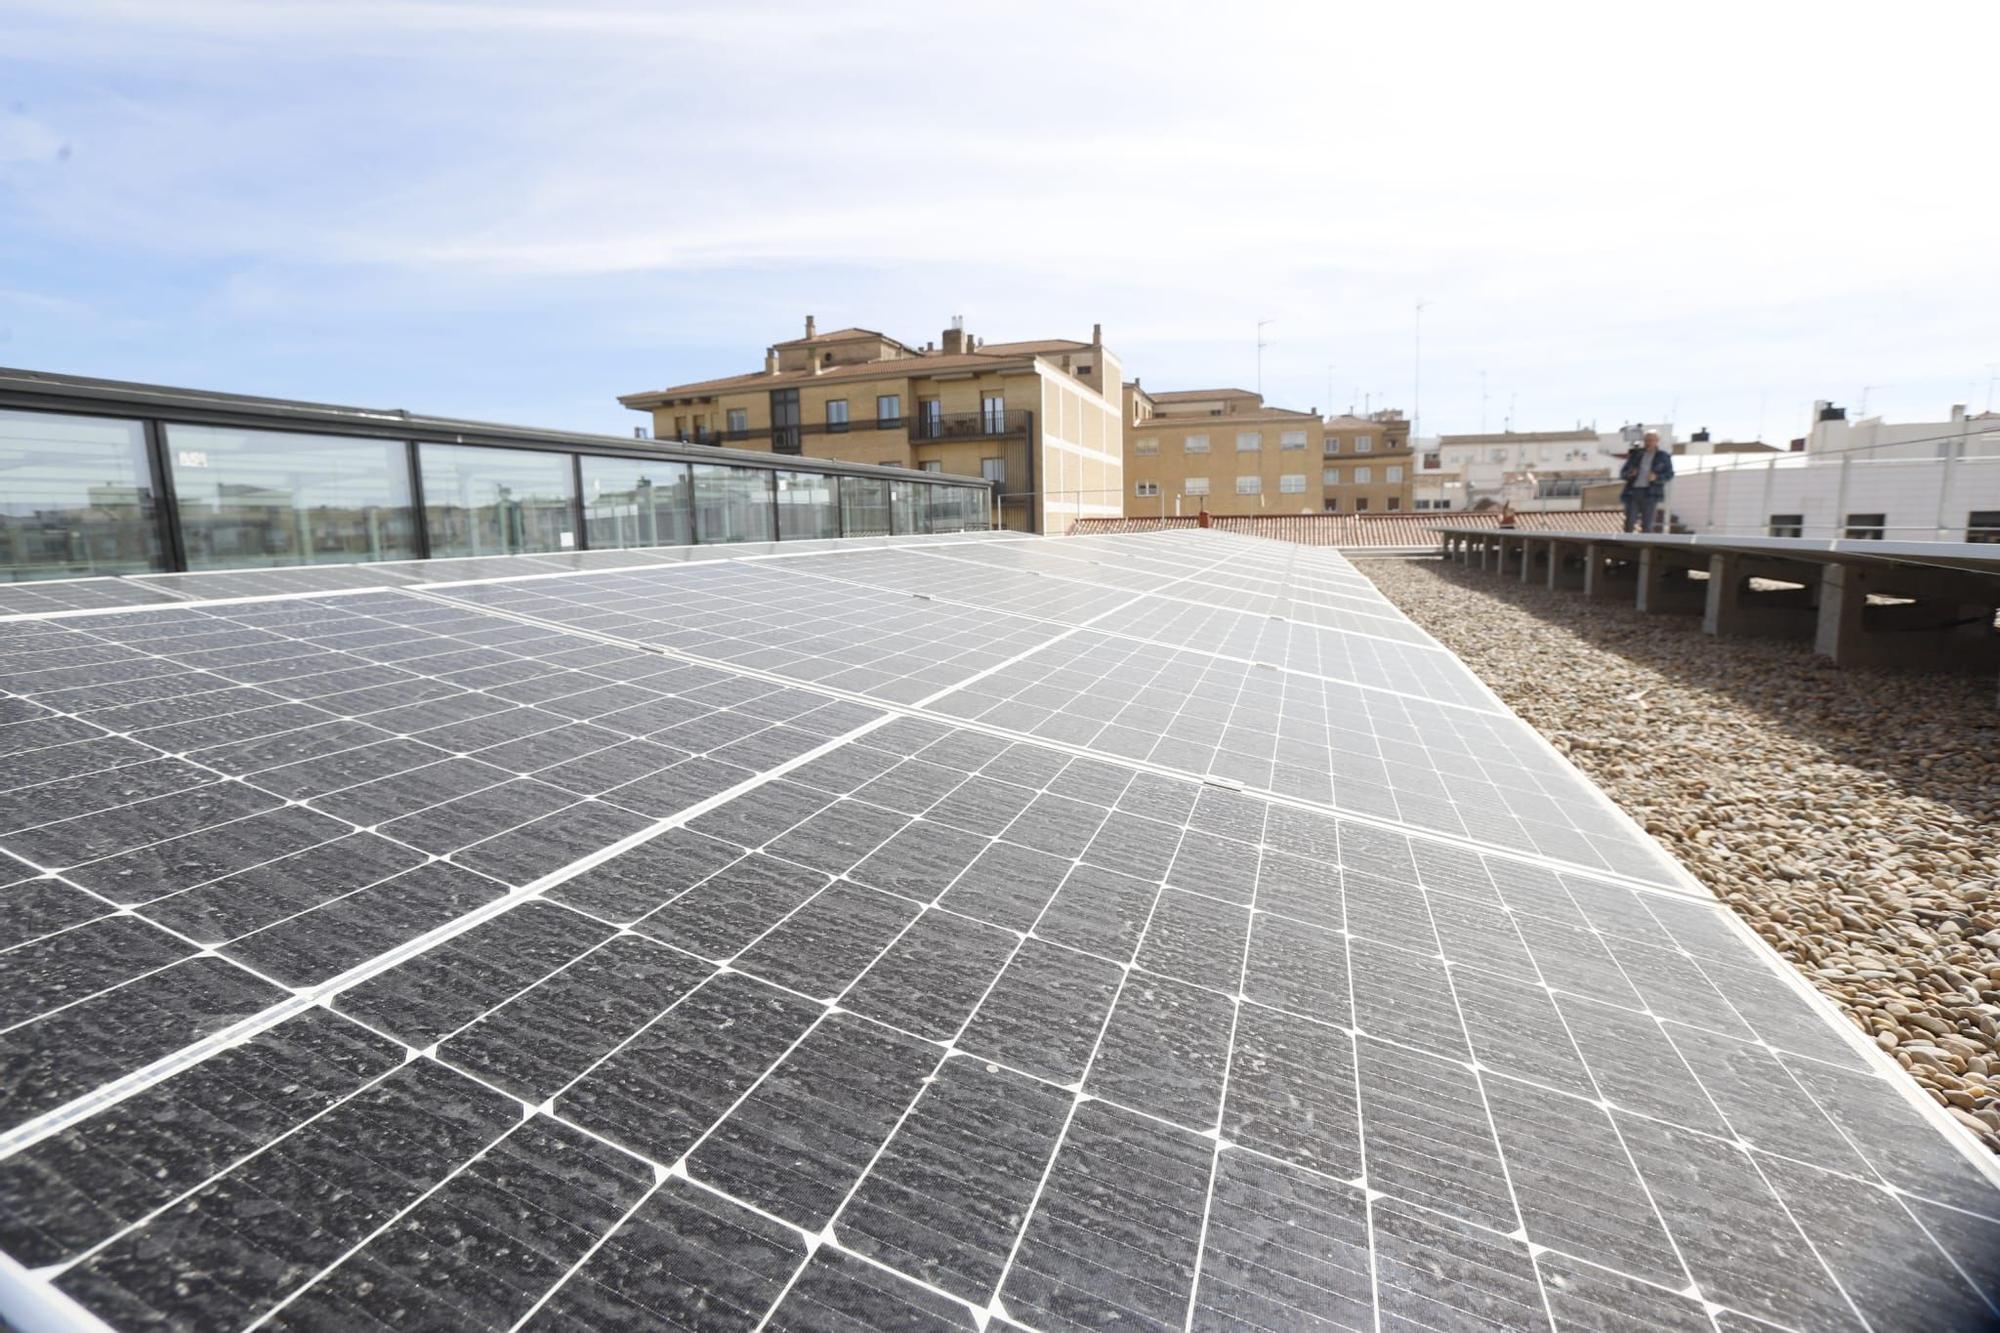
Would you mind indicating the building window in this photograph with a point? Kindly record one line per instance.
(1333, 504)
(1148, 446)
(1249, 441)
(481, 501)
(992, 413)
(994, 469)
(1292, 483)
(1364, 444)
(739, 420)
(731, 504)
(1145, 490)
(808, 506)
(1866, 527)
(79, 497)
(908, 512)
(931, 465)
(1788, 525)
(1195, 486)
(1360, 504)
(1432, 463)
(1395, 503)
(251, 497)
(1332, 446)
(636, 502)
(1423, 505)
(864, 506)
(836, 414)
(1362, 476)
(1440, 504)
(1195, 444)
(1330, 476)
(1983, 525)
(888, 409)
(1393, 473)
(1291, 439)
(785, 421)
(1249, 485)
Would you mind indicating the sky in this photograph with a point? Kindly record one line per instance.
(1707, 213)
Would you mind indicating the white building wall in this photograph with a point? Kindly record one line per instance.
(1921, 499)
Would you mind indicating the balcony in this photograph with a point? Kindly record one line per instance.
(981, 425)
(923, 430)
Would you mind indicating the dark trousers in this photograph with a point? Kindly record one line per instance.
(1640, 508)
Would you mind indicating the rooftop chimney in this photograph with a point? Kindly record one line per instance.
(954, 337)
(809, 326)
(770, 360)
(1097, 335)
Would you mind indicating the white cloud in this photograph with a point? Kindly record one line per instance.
(1598, 202)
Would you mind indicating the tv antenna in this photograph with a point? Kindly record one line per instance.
(1417, 377)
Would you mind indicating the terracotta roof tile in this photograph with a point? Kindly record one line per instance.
(840, 336)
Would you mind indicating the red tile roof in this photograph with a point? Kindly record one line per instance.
(1362, 530)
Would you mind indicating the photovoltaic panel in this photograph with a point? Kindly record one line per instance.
(92, 594)
(579, 950)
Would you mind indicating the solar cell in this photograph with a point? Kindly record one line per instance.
(809, 941)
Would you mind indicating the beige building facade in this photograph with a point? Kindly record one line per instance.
(1031, 418)
(1222, 450)
(1228, 452)
(1367, 465)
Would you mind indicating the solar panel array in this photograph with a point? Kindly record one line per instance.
(1147, 932)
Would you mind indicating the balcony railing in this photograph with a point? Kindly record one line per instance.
(923, 429)
(969, 425)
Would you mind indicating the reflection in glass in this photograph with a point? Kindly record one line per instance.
(807, 506)
(253, 497)
(947, 514)
(481, 501)
(636, 502)
(76, 497)
(732, 504)
(864, 506)
(912, 511)
(947, 508)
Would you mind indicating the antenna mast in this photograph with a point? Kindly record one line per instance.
(1417, 377)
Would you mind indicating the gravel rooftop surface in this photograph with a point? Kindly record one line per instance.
(1851, 817)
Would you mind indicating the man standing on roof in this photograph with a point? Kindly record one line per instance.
(1647, 470)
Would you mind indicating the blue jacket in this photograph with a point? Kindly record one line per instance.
(1663, 472)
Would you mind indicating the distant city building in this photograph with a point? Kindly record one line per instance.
(1041, 420)
(1229, 452)
(1369, 466)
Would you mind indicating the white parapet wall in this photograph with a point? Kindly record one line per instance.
(1918, 499)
